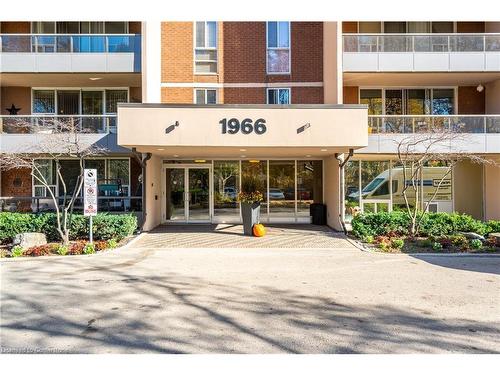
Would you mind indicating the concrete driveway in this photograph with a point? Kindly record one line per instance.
(241, 300)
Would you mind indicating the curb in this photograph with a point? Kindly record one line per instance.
(57, 256)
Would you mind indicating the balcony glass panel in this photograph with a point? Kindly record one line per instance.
(89, 43)
(121, 43)
(430, 43)
(492, 43)
(396, 43)
(16, 43)
(466, 43)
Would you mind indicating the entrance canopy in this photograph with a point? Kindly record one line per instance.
(221, 131)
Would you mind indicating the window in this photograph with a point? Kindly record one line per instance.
(369, 27)
(46, 174)
(44, 101)
(443, 101)
(43, 27)
(278, 96)
(113, 97)
(205, 53)
(372, 98)
(95, 27)
(205, 96)
(278, 47)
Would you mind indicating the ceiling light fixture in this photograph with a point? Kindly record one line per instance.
(480, 88)
(95, 78)
(323, 150)
(243, 149)
(160, 149)
(176, 156)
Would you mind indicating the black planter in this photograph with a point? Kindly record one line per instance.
(250, 213)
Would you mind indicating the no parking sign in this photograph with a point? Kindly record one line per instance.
(90, 192)
(90, 196)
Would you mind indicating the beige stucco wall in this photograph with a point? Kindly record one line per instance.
(331, 127)
(153, 189)
(468, 188)
(493, 97)
(332, 63)
(331, 191)
(492, 191)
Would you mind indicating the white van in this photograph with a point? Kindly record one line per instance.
(378, 188)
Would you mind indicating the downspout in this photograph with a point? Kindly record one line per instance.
(142, 158)
(342, 163)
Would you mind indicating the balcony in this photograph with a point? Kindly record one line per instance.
(421, 52)
(25, 133)
(64, 53)
(478, 133)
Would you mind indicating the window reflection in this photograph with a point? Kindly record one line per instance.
(226, 188)
(309, 185)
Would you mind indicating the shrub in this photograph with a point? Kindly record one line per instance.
(16, 251)
(396, 223)
(426, 243)
(368, 239)
(100, 245)
(89, 248)
(37, 251)
(76, 248)
(437, 246)
(105, 226)
(445, 242)
(493, 226)
(62, 249)
(376, 224)
(112, 243)
(476, 244)
(397, 243)
(3, 253)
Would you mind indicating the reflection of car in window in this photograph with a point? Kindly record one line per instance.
(276, 194)
(230, 192)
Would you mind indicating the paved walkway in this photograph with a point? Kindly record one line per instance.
(241, 300)
(231, 236)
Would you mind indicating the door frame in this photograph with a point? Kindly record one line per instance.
(186, 167)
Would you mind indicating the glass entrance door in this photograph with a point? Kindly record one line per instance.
(187, 194)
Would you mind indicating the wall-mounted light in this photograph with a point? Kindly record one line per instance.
(171, 127)
(303, 127)
(480, 88)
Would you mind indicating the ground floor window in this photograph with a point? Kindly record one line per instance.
(288, 187)
(381, 184)
(278, 96)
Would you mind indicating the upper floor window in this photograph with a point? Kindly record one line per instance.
(205, 52)
(415, 101)
(205, 96)
(75, 27)
(278, 47)
(278, 96)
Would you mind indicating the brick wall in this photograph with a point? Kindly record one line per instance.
(470, 101)
(177, 52)
(178, 95)
(16, 182)
(240, 95)
(351, 94)
(307, 95)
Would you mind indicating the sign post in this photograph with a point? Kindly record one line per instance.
(90, 196)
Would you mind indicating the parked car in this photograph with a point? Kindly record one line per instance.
(230, 192)
(276, 194)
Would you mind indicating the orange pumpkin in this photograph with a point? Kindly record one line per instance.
(259, 230)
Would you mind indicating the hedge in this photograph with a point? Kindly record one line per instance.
(432, 224)
(105, 226)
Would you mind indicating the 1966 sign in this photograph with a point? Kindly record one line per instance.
(247, 126)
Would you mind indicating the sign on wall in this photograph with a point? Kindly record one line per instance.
(90, 192)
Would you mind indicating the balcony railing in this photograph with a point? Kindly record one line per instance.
(443, 43)
(408, 124)
(50, 124)
(70, 43)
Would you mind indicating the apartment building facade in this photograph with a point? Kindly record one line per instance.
(305, 112)
(59, 73)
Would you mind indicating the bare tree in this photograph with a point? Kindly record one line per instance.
(55, 139)
(417, 151)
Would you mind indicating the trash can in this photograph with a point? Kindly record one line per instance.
(318, 213)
